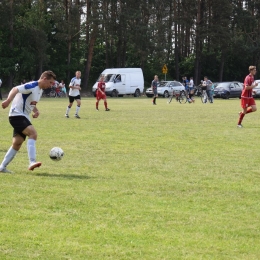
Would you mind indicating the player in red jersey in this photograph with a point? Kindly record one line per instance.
(247, 101)
(101, 94)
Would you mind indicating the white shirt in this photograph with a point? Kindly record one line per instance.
(22, 104)
(191, 83)
(74, 82)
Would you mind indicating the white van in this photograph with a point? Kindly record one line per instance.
(122, 81)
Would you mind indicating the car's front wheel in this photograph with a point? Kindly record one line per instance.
(166, 94)
(227, 95)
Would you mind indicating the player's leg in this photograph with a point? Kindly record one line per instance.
(78, 106)
(31, 147)
(97, 101)
(251, 106)
(244, 105)
(105, 103)
(71, 100)
(16, 145)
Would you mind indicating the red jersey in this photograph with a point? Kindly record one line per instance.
(247, 93)
(101, 86)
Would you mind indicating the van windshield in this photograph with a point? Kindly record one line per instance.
(107, 77)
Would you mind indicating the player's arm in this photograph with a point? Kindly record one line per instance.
(247, 86)
(10, 97)
(35, 110)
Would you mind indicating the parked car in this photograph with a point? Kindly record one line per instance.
(228, 90)
(256, 90)
(165, 88)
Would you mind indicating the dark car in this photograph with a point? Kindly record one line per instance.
(228, 90)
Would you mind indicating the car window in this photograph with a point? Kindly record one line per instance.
(177, 84)
(223, 85)
(163, 84)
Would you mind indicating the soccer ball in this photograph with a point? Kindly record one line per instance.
(56, 153)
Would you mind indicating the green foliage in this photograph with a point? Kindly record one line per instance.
(39, 35)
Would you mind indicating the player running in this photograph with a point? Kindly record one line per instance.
(101, 94)
(74, 94)
(247, 101)
(24, 99)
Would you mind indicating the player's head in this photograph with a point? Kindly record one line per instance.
(205, 77)
(252, 70)
(47, 79)
(78, 74)
(155, 77)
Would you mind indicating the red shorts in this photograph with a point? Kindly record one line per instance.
(101, 96)
(247, 102)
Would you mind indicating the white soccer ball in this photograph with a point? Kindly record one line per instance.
(56, 153)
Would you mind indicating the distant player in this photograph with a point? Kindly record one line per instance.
(24, 99)
(101, 94)
(74, 94)
(247, 101)
(154, 86)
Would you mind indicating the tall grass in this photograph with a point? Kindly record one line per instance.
(172, 181)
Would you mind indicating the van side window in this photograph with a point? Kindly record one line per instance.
(118, 78)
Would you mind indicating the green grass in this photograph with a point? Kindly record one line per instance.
(172, 181)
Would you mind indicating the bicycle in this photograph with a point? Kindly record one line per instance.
(180, 97)
(49, 92)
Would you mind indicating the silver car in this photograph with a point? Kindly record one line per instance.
(166, 88)
(256, 90)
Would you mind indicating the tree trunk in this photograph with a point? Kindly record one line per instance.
(11, 40)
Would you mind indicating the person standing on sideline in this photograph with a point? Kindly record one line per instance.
(209, 89)
(24, 99)
(154, 89)
(0, 90)
(247, 101)
(101, 94)
(191, 85)
(63, 87)
(74, 94)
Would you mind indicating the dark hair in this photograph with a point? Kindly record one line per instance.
(48, 74)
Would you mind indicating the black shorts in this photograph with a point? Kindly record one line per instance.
(71, 98)
(19, 123)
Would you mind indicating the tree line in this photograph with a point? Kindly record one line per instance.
(195, 38)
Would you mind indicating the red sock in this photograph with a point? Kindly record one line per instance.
(241, 118)
(249, 110)
(96, 105)
(105, 103)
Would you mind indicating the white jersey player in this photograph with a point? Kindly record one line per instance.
(24, 99)
(74, 94)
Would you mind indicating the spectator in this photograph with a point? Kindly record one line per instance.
(208, 89)
(63, 87)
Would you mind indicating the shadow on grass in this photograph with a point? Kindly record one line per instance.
(65, 176)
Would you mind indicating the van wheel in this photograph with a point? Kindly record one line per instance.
(114, 93)
(137, 93)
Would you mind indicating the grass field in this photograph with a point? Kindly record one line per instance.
(172, 181)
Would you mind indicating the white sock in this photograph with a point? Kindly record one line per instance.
(68, 110)
(77, 110)
(8, 157)
(31, 149)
